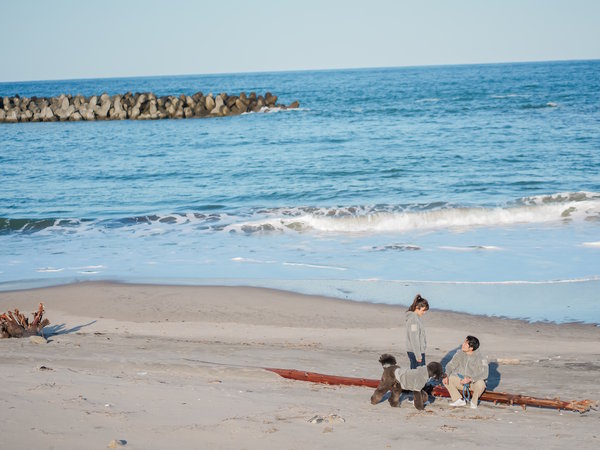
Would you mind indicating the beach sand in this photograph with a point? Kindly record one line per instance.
(181, 367)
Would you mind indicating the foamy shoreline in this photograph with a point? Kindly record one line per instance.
(179, 366)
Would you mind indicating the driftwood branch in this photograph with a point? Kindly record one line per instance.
(440, 391)
(16, 324)
(525, 401)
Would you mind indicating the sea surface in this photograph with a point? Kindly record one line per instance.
(476, 185)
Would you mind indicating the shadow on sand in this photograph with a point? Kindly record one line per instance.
(55, 330)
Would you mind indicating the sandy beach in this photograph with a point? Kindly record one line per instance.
(181, 367)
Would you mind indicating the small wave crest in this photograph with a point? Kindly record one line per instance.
(560, 197)
(274, 109)
(508, 95)
(49, 269)
(35, 225)
(395, 247)
(539, 105)
(73, 225)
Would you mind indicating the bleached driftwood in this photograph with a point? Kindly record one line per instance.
(16, 324)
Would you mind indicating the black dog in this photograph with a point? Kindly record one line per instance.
(390, 381)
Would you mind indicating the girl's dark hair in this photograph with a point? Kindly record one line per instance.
(419, 302)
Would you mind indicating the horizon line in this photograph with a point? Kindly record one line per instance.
(301, 70)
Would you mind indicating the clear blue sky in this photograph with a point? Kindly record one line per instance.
(61, 39)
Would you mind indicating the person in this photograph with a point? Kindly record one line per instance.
(416, 343)
(467, 369)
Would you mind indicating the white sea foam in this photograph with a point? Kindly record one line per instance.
(561, 197)
(542, 209)
(508, 95)
(470, 248)
(49, 269)
(89, 270)
(505, 282)
(251, 260)
(273, 109)
(394, 247)
(548, 209)
(314, 266)
(454, 218)
(592, 244)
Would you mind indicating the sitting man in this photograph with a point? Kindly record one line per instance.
(466, 369)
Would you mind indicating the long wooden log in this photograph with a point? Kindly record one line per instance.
(580, 406)
(323, 379)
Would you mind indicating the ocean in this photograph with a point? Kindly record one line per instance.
(477, 186)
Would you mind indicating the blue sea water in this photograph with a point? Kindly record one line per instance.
(477, 186)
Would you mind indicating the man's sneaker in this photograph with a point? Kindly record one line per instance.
(459, 402)
(473, 405)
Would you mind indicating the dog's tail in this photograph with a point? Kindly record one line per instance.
(387, 360)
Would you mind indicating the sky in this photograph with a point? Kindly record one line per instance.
(69, 39)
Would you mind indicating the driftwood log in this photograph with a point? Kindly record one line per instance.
(580, 406)
(16, 324)
(524, 400)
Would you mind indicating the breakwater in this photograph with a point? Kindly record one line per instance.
(138, 106)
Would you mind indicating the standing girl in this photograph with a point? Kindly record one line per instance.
(416, 343)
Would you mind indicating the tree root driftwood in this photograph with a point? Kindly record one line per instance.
(16, 324)
(580, 406)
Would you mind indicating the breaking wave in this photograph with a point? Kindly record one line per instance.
(544, 209)
(557, 208)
